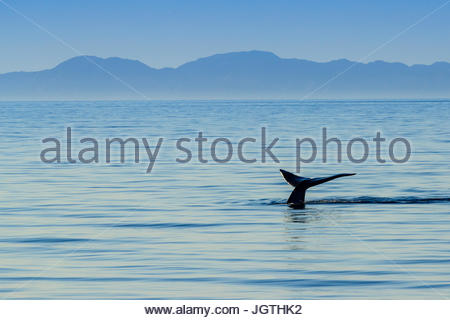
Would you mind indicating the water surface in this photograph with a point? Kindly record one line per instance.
(221, 230)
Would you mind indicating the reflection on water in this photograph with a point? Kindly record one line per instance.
(301, 215)
(111, 231)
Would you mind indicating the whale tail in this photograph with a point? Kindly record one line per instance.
(301, 184)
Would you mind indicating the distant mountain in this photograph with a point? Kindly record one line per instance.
(252, 74)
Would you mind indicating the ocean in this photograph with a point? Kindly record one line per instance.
(219, 228)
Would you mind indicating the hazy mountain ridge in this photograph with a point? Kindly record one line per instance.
(252, 74)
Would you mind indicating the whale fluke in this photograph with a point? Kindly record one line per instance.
(301, 184)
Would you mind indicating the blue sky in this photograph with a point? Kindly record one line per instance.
(169, 33)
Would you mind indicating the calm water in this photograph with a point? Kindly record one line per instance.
(221, 230)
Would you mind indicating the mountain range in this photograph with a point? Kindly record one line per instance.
(251, 74)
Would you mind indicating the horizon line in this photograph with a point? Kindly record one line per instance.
(232, 99)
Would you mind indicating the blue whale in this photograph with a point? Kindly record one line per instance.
(301, 184)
